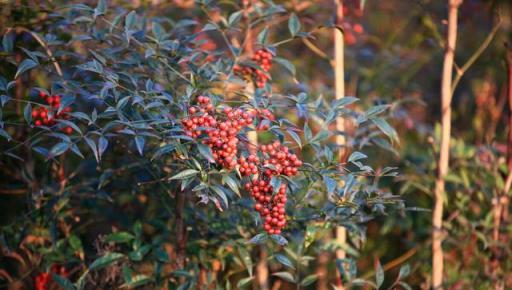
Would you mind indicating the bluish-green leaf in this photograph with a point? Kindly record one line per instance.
(27, 113)
(258, 239)
(379, 274)
(139, 142)
(293, 24)
(58, 149)
(119, 237)
(206, 152)
(287, 276)
(284, 260)
(24, 66)
(187, 173)
(106, 260)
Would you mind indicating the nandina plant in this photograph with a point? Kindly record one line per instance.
(151, 159)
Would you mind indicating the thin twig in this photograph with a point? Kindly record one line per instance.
(460, 71)
(43, 44)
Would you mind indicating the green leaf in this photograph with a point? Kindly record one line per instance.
(232, 183)
(386, 129)
(27, 113)
(287, 276)
(258, 239)
(158, 31)
(6, 135)
(139, 142)
(63, 282)
(404, 271)
(206, 152)
(379, 274)
(293, 24)
(356, 155)
(24, 66)
(58, 149)
(376, 110)
(105, 260)
(345, 101)
(8, 42)
(101, 8)
(137, 280)
(138, 255)
(246, 259)
(295, 137)
(218, 190)
(234, 18)
(310, 279)
(286, 64)
(280, 240)
(119, 237)
(322, 135)
(187, 173)
(262, 36)
(284, 260)
(404, 285)
(244, 282)
(129, 21)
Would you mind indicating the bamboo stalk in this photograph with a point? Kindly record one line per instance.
(444, 154)
(339, 83)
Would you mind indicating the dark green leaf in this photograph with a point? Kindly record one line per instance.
(27, 113)
(284, 260)
(286, 64)
(356, 155)
(246, 259)
(119, 237)
(404, 271)
(280, 240)
(187, 173)
(235, 18)
(105, 260)
(262, 36)
(379, 274)
(285, 276)
(206, 152)
(244, 282)
(386, 128)
(293, 24)
(24, 66)
(58, 149)
(308, 280)
(139, 142)
(258, 239)
(101, 8)
(8, 42)
(63, 282)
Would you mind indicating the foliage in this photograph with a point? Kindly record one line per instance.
(122, 195)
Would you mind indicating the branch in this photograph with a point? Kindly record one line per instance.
(460, 71)
(43, 44)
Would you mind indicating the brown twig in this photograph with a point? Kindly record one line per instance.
(43, 44)
(460, 71)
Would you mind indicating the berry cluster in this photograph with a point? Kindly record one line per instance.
(47, 116)
(43, 280)
(220, 133)
(248, 166)
(263, 58)
(271, 207)
(281, 160)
